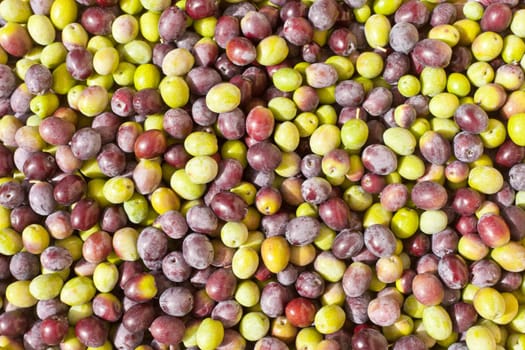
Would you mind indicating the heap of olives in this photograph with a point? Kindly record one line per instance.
(304, 174)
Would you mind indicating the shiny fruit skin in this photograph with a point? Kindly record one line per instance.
(516, 128)
(275, 253)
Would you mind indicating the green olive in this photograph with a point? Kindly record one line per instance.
(354, 134)
(118, 189)
(433, 221)
(516, 128)
(329, 319)
(446, 33)
(146, 76)
(247, 293)
(202, 169)
(433, 81)
(17, 11)
(77, 291)
(473, 10)
(516, 26)
(136, 208)
(468, 30)
(487, 46)
(124, 74)
(178, 62)
(174, 91)
(155, 6)
(325, 138)
(490, 97)
(286, 136)
(494, 135)
(182, 185)
(437, 322)
(377, 30)
(205, 27)
(306, 123)
(98, 42)
(513, 49)
(287, 79)
(369, 64)
(400, 140)
(200, 143)
(209, 334)
(17, 293)
(93, 100)
(149, 24)
(74, 35)
(223, 97)
(282, 108)
(376, 214)
(271, 50)
(47, 286)
(105, 277)
(40, 28)
(480, 73)
(343, 65)
(458, 84)
(409, 85)
(386, 7)
(63, 12)
(443, 105)
(137, 52)
(235, 149)
(411, 167)
(357, 198)
(405, 223)
(362, 13)
(485, 179)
